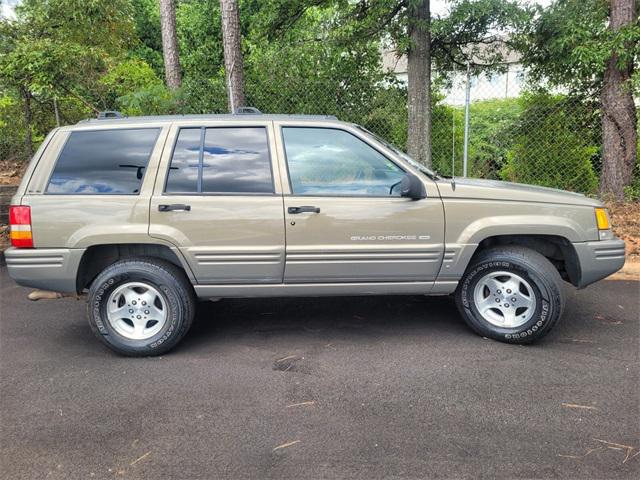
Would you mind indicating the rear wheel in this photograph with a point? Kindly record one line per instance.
(511, 294)
(141, 306)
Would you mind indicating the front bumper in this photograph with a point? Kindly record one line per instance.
(45, 268)
(599, 259)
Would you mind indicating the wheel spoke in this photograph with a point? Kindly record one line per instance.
(148, 297)
(523, 301)
(155, 313)
(493, 284)
(119, 312)
(486, 304)
(129, 295)
(139, 326)
(509, 315)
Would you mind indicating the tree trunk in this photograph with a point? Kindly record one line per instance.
(619, 134)
(170, 43)
(233, 65)
(28, 138)
(419, 88)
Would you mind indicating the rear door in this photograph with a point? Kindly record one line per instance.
(345, 219)
(218, 199)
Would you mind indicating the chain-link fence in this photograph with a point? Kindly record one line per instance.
(512, 133)
(541, 138)
(503, 131)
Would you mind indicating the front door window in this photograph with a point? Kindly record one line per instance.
(333, 162)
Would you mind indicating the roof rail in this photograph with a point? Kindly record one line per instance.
(247, 111)
(109, 114)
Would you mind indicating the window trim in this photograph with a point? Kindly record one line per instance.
(286, 162)
(200, 193)
(55, 164)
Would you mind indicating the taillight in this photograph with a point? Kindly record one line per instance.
(20, 226)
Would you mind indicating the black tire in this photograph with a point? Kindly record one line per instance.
(534, 268)
(169, 280)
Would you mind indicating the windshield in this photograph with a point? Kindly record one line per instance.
(429, 173)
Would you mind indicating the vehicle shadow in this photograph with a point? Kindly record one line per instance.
(329, 317)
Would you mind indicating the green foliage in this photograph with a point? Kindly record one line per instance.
(551, 146)
(476, 31)
(632, 192)
(92, 23)
(12, 128)
(135, 89)
(447, 139)
(146, 18)
(200, 38)
(569, 44)
(58, 48)
(307, 70)
(491, 131)
(152, 100)
(323, 57)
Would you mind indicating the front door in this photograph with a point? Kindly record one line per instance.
(345, 219)
(216, 200)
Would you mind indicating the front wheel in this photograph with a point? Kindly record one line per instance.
(511, 294)
(141, 306)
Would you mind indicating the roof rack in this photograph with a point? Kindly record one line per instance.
(109, 114)
(247, 111)
(203, 117)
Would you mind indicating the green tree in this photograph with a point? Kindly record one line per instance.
(590, 47)
(59, 48)
(475, 32)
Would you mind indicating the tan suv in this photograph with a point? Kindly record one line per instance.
(149, 214)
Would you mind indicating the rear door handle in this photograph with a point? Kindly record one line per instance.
(174, 207)
(303, 209)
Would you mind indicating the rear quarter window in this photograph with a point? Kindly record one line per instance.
(106, 162)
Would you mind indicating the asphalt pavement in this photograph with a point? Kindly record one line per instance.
(305, 388)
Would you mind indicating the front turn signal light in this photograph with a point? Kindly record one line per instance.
(602, 219)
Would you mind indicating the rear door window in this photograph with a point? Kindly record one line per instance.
(221, 160)
(103, 162)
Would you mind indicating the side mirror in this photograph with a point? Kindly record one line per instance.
(412, 187)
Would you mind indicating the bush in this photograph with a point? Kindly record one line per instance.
(552, 145)
(491, 131)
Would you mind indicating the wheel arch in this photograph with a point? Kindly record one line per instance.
(556, 248)
(97, 257)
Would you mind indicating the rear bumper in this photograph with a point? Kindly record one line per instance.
(45, 268)
(599, 259)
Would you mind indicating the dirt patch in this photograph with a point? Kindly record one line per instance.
(625, 218)
(11, 171)
(630, 271)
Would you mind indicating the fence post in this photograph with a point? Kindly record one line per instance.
(55, 109)
(467, 101)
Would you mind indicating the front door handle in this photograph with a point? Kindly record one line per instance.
(174, 207)
(303, 209)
